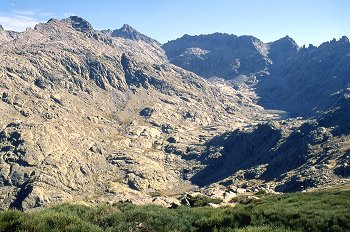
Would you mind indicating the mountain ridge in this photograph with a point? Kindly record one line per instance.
(265, 67)
(72, 126)
(89, 117)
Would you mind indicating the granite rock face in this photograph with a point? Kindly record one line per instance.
(288, 155)
(219, 55)
(87, 117)
(100, 116)
(286, 77)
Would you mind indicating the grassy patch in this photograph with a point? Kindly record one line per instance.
(326, 210)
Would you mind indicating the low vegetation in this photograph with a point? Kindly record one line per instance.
(326, 210)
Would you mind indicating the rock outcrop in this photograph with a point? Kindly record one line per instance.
(288, 156)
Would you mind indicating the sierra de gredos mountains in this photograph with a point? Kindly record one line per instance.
(103, 116)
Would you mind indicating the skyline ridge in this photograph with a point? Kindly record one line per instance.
(310, 22)
(131, 27)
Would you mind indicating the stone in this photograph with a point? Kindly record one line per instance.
(228, 196)
(241, 191)
(80, 24)
(146, 112)
(166, 128)
(172, 140)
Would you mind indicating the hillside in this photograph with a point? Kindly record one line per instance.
(299, 80)
(106, 116)
(86, 116)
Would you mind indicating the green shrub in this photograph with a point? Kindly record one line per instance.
(244, 199)
(316, 211)
(10, 220)
(264, 229)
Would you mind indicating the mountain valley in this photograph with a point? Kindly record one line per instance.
(106, 116)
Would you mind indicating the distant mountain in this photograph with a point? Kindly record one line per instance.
(220, 55)
(300, 81)
(107, 116)
(310, 80)
(229, 56)
(128, 32)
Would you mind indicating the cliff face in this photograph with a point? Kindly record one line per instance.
(311, 81)
(300, 81)
(219, 55)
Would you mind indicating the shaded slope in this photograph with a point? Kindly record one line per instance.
(308, 156)
(301, 81)
(310, 81)
(220, 55)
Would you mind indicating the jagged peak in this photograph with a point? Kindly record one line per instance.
(79, 23)
(128, 32)
(107, 31)
(127, 27)
(287, 40)
(290, 39)
(344, 39)
(215, 35)
(249, 38)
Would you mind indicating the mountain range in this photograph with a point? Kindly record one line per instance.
(113, 115)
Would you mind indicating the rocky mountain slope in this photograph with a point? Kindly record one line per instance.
(312, 80)
(103, 116)
(6, 36)
(284, 76)
(285, 156)
(86, 116)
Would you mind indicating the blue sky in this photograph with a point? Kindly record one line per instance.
(306, 21)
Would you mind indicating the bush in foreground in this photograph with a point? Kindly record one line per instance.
(318, 211)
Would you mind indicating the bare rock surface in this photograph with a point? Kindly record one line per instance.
(300, 80)
(88, 117)
(103, 116)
